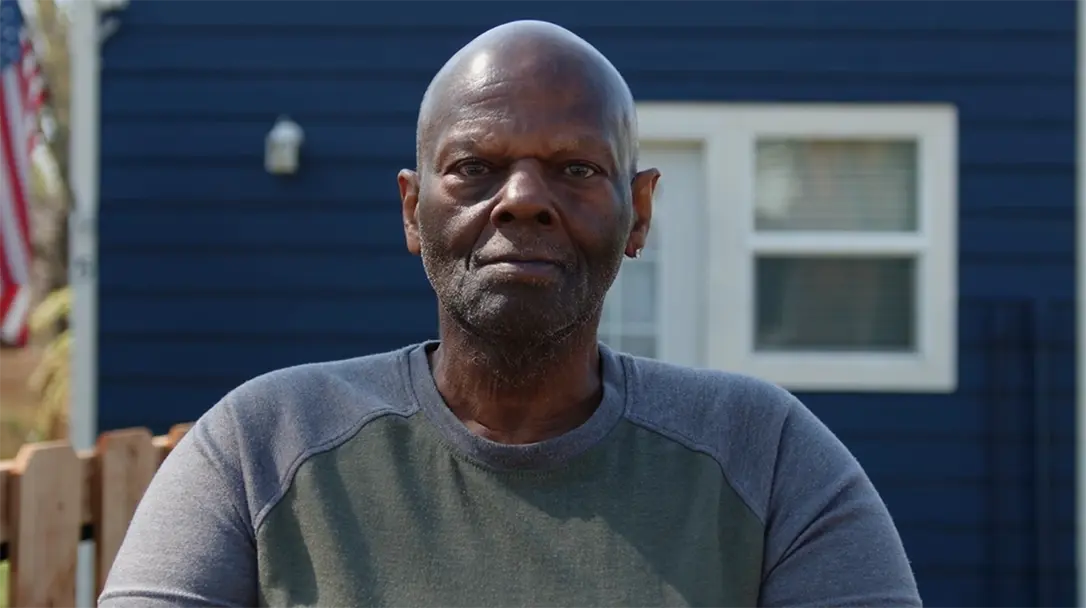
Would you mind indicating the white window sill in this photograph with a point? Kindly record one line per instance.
(850, 372)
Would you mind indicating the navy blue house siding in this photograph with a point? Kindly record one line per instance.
(213, 271)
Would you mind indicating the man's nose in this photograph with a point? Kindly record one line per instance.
(526, 196)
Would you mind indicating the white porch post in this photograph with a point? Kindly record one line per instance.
(83, 236)
(83, 45)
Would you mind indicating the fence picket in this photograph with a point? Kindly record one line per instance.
(177, 432)
(127, 460)
(166, 443)
(47, 510)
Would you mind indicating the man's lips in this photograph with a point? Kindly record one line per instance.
(522, 266)
(520, 259)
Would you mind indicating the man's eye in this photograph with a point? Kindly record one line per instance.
(472, 168)
(580, 170)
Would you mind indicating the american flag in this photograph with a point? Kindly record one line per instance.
(22, 92)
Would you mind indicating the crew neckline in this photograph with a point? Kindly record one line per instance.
(546, 454)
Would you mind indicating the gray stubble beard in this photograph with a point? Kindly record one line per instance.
(514, 352)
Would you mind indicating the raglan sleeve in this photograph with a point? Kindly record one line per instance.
(830, 540)
(191, 540)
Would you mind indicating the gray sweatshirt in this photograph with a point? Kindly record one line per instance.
(350, 483)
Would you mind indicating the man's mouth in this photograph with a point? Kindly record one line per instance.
(521, 260)
(523, 267)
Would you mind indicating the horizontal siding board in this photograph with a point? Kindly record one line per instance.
(960, 503)
(270, 270)
(1016, 277)
(375, 228)
(180, 96)
(236, 141)
(1017, 236)
(256, 313)
(997, 190)
(394, 49)
(359, 184)
(969, 547)
(967, 416)
(997, 145)
(952, 459)
(1002, 17)
(967, 586)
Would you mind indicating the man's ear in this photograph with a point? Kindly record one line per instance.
(642, 190)
(409, 198)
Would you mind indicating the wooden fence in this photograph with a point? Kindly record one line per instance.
(52, 497)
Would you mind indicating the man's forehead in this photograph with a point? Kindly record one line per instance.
(513, 86)
(577, 114)
(475, 135)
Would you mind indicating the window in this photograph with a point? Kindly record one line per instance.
(655, 306)
(813, 246)
(629, 321)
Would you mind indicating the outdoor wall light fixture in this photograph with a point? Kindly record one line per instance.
(282, 146)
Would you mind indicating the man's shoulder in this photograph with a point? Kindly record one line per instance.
(268, 426)
(699, 402)
(312, 403)
(734, 418)
(324, 387)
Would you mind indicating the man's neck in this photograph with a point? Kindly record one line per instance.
(521, 396)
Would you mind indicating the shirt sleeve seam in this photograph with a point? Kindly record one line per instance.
(219, 466)
(697, 446)
(326, 446)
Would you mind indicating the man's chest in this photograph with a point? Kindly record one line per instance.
(457, 536)
(528, 565)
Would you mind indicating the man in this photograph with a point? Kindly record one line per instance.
(516, 461)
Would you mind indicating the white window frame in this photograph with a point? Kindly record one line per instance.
(727, 134)
(678, 238)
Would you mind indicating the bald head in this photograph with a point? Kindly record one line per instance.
(562, 69)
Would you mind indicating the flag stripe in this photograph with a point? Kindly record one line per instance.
(13, 329)
(15, 217)
(22, 92)
(15, 113)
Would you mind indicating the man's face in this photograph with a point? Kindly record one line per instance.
(523, 207)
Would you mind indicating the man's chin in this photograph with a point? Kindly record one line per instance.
(519, 329)
(520, 322)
